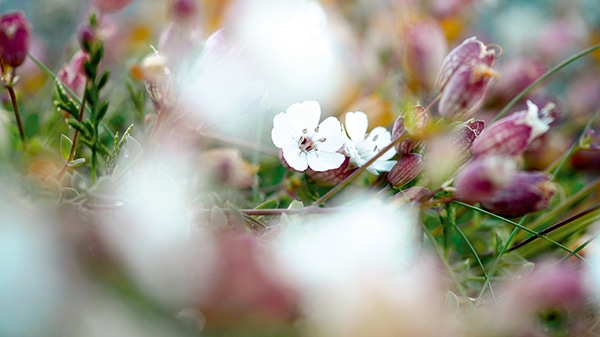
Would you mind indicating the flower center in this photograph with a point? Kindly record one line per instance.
(307, 144)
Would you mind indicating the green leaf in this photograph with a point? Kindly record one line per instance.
(65, 146)
(103, 79)
(273, 203)
(32, 124)
(60, 90)
(90, 70)
(77, 125)
(102, 111)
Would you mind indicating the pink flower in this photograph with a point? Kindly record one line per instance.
(15, 34)
(72, 74)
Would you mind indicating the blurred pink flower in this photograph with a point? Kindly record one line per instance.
(72, 74)
(110, 6)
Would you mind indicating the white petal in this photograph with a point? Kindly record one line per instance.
(283, 134)
(381, 138)
(304, 115)
(381, 166)
(322, 161)
(330, 130)
(296, 159)
(357, 124)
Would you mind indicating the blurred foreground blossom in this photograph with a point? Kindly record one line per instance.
(354, 270)
(557, 293)
(33, 280)
(304, 141)
(152, 235)
(362, 146)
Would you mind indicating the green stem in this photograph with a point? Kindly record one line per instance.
(453, 225)
(75, 137)
(543, 78)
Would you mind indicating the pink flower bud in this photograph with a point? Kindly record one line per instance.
(412, 124)
(110, 6)
(468, 54)
(511, 135)
(413, 194)
(15, 33)
(526, 192)
(424, 49)
(184, 9)
(463, 136)
(482, 177)
(465, 91)
(72, 75)
(406, 169)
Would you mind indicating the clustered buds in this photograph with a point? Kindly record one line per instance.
(15, 31)
(464, 77)
(492, 178)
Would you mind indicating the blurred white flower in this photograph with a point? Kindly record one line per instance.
(306, 143)
(362, 146)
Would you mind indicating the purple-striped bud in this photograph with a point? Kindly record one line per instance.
(406, 169)
(465, 91)
(482, 177)
(524, 193)
(468, 54)
(412, 124)
(15, 34)
(463, 136)
(511, 135)
(413, 194)
(424, 49)
(330, 177)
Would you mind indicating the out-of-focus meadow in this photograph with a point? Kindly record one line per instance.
(299, 168)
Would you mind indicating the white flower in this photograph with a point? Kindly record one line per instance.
(362, 146)
(306, 143)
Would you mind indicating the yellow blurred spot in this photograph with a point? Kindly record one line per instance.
(378, 110)
(453, 27)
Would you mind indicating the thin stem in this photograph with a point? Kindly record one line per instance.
(239, 142)
(13, 99)
(354, 174)
(543, 78)
(75, 137)
(556, 226)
